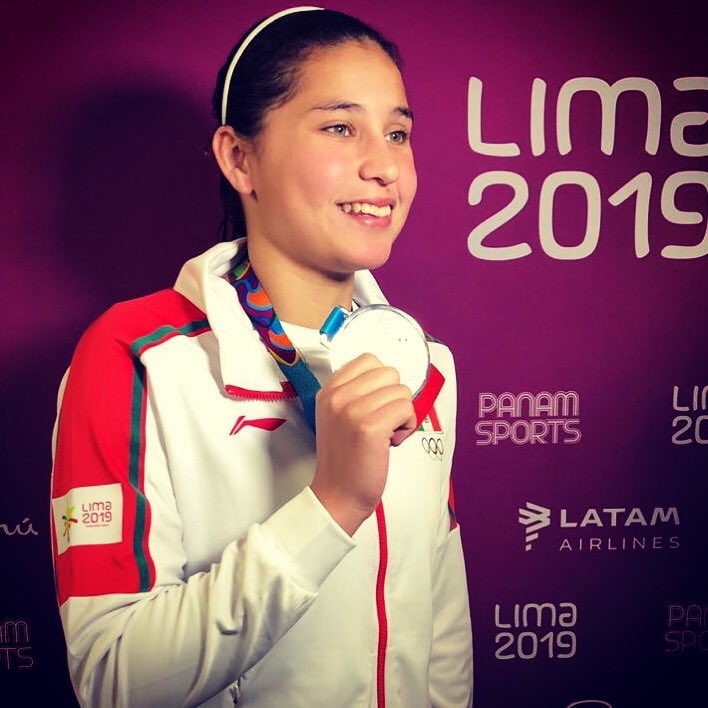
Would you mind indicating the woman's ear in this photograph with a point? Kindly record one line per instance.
(232, 153)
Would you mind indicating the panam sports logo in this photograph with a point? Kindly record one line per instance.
(15, 645)
(527, 418)
(687, 628)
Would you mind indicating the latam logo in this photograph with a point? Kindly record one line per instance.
(527, 418)
(613, 522)
(269, 424)
(534, 518)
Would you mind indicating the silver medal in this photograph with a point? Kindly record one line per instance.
(388, 333)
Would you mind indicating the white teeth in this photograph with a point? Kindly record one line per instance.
(364, 208)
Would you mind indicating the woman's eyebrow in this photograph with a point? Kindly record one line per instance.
(404, 111)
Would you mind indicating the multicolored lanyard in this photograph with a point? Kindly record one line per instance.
(257, 305)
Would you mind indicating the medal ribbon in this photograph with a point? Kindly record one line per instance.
(257, 305)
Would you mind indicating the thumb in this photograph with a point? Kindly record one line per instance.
(404, 432)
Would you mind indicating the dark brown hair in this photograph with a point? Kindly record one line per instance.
(266, 76)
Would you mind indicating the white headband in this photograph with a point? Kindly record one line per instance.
(251, 36)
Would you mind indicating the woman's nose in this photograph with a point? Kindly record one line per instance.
(378, 162)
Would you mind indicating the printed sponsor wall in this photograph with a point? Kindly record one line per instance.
(558, 244)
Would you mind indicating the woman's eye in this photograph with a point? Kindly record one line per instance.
(399, 137)
(341, 129)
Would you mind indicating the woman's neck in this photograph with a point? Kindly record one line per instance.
(300, 295)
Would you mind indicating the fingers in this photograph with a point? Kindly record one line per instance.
(403, 432)
(383, 411)
(360, 377)
(401, 415)
(371, 395)
(356, 367)
(368, 397)
(361, 411)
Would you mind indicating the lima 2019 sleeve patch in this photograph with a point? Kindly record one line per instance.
(88, 516)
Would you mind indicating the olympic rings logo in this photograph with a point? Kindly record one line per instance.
(434, 447)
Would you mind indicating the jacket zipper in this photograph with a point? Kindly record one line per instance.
(381, 608)
(238, 392)
(288, 392)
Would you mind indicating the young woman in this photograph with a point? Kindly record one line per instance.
(210, 548)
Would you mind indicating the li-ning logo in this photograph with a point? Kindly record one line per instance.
(534, 518)
(269, 424)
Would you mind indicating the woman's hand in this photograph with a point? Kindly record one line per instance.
(361, 411)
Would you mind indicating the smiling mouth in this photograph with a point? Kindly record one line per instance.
(366, 208)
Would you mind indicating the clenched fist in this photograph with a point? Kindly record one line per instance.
(361, 411)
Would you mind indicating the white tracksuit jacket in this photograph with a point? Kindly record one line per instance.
(195, 566)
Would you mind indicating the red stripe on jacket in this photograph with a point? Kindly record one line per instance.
(96, 422)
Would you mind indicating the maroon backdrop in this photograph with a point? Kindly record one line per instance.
(558, 244)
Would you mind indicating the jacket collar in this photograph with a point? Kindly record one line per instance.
(244, 362)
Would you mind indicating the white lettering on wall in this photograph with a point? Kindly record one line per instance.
(480, 242)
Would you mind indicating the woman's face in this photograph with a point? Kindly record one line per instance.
(332, 170)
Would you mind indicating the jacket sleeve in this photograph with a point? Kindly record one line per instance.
(450, 669)
(138, 632)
